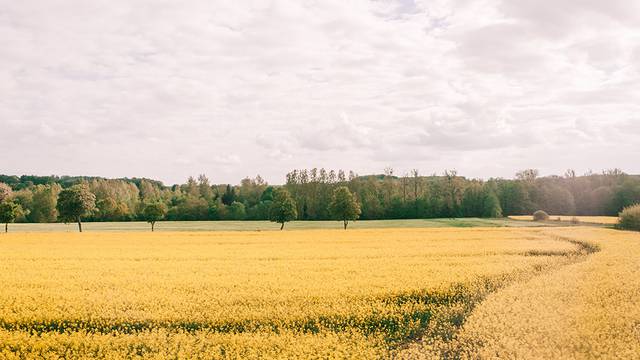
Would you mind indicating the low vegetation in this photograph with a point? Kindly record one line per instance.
(630, 218)
(540, 215)
(602, 220)
(294, 294)
(245, 225)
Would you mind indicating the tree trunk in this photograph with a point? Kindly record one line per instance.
(6, 227)
(79, 224)
(152, 224)
(345, 224)
(282, 226)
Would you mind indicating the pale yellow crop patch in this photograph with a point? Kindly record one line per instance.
(605, 220)
(585, 310)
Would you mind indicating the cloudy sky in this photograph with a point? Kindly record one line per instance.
(168, 89)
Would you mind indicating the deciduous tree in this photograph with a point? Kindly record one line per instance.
(8, 213)
(43, 206)
(5, 192)
(491, 205)
(76, 202)
(229, 195)
(283, 208)
(344, 205)
(153, 212)
(237, 211)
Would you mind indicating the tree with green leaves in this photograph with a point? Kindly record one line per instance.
(5, 191)
(43, 204)
(344, 205)
(76, 202)
(283, 208)
(153, 212)
(9, 211)
(491, 205)
(229, 195)
(236, 211)
(267, 194)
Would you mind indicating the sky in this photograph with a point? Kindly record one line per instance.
(169, 89)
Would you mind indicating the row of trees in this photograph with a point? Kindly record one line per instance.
(388, 196)
(78, 201)
(71, 204)
(384, 196)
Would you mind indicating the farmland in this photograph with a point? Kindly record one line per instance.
(602, 220)
(365, 293)
(585, 310)
(189, 226)
(395, 179)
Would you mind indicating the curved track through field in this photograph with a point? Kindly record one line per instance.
(585, 310)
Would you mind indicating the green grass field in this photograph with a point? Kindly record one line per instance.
(266, 225)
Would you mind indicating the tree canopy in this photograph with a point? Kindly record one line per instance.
(283, 207)
(153, 212)
(5, 192)
(412, 195)
(8, 213)
(76, 202)
(344, 205)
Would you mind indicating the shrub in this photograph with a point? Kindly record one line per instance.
(540, 215)
(629, 218)
(575, 220)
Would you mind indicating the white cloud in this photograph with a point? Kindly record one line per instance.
(230, 88)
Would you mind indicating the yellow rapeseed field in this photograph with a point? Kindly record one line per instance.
(294, 294)
(604, 220)
(586, 310)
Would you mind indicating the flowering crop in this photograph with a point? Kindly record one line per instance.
(295, 294)
(585, 310)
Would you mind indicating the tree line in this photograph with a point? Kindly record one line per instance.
(383, 196)
(449, 195)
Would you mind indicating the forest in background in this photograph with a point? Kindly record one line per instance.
(384, 196)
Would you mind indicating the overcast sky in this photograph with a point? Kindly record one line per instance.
(168, 89)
